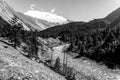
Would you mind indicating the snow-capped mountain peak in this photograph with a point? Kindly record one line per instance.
(48, 16)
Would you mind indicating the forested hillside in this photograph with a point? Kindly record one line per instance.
(29, 42)
(75, 28)
(95, 40)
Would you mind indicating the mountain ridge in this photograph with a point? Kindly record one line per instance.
(113, 15)
(85, 27)
(29, 23)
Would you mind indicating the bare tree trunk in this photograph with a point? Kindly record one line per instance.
(15, 40)
(64, 62)
(64, 59)
(52, 58)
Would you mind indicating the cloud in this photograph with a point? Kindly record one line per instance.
(42, 9)
(48, 16)
(53, 10)
(32, 6)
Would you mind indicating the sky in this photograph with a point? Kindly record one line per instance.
(77, 10)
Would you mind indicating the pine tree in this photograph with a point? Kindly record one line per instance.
(32, 44)
(57, 64)
(14, 35)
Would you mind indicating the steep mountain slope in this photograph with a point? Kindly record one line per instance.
(29, 23)
(7, 13)
(14, 66)
(113, 16)
(35, 22)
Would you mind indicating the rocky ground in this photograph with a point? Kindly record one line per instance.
(14, 66)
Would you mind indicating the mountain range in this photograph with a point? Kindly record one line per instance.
(111, 20)
(29, 22)
(45, 20)
(50, 47)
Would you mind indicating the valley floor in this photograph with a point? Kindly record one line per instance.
(87, 67)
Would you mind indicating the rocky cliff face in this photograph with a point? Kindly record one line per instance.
(14, 66)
